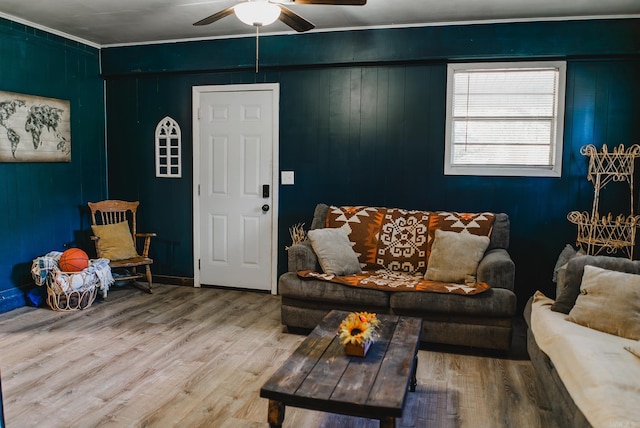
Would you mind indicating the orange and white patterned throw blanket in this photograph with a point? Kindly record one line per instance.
(401, 240)
(387, 280)
(393, 246)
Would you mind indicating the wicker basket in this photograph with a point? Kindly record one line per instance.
(70, 291)
(61, 296)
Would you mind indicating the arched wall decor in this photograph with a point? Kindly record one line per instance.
(168, 149)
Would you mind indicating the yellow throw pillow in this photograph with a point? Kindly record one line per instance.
(115, 241)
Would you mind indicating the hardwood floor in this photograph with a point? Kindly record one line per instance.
(193, 357)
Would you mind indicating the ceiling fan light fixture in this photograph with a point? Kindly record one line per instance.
(257, 13)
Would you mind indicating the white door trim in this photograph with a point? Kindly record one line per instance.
(196, 93)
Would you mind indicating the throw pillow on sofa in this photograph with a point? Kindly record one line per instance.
(609, 301)
(480, 224)
(575, 271)
(334, 251)
(455, 256)
(362, 225)
(568, 252)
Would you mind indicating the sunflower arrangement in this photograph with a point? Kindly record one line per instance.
(358, 328)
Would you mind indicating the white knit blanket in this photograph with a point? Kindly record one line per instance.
(97, 274)
(602, 377)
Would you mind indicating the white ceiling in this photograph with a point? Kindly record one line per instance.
(120, 22)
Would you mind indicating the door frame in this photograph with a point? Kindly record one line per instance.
(275, 183)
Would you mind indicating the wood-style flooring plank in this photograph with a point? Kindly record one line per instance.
(189, 357)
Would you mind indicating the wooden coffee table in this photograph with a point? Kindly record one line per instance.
(319, 376)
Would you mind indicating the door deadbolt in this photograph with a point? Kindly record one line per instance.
(265, 208)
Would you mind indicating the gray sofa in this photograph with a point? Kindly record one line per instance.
(483, 320)
(562, 405)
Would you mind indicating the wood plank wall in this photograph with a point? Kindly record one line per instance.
(374, 134)
(362, 121)
(41, 203)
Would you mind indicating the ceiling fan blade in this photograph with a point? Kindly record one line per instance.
(294, 20)
(216, 16)
(333, 2)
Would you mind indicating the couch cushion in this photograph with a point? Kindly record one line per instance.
(567, 253)
(455, 256)
(334, 251)
(387, 280)
(362, 224)
(290, 285)
(609, 301)
(560, 269)
(575, 269)
(403, 240)
(495, 302)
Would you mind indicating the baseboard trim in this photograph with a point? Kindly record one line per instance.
(173, 280)
(13, 298)
(16, 297)
(224, 287)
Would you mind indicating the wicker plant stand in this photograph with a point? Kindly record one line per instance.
(606, 233)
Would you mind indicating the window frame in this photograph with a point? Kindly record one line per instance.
(553, 170)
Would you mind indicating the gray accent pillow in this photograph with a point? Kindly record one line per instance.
(568, 252)
(334, 251)
(319, 216)
(455, 256)
(609, 301)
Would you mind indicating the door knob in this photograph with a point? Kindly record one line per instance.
(265, 208)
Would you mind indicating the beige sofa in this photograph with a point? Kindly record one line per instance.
(588, 375)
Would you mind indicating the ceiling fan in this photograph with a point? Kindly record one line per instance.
(265, 12)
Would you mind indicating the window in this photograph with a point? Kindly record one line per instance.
(168, 145)
(505, 119)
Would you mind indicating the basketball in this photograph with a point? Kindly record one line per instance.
(73, 260)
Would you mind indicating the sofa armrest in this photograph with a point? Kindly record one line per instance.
(302, 257)
(497, 269)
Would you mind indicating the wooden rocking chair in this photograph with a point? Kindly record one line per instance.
(116, 240)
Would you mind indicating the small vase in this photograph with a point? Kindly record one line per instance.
(357, 350)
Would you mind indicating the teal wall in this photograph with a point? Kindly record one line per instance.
(362, 122)
(41, 203)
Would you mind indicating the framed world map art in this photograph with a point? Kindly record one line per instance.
(34, 129)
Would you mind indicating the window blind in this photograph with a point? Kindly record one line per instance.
(504, 117)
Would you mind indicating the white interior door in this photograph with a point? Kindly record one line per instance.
(234, 202)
